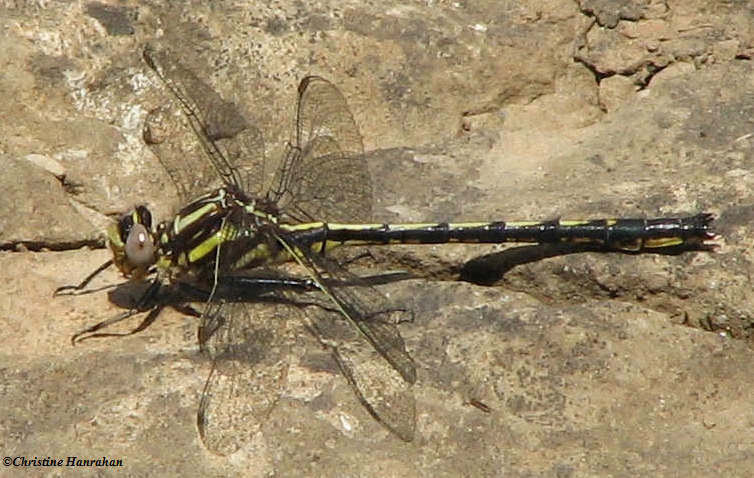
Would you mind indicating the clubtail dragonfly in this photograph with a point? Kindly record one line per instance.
(223, 246)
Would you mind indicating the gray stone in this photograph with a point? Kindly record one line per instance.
(591, 364)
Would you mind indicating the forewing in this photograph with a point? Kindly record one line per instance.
(249, 345)
(233, 147)
(166, 133)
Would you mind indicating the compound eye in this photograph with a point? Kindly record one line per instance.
(139, 248)
(124, 227)
(144, 216)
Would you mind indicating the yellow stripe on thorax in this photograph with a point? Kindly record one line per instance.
(226, 233)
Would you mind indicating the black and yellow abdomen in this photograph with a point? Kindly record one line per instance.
(633, 235)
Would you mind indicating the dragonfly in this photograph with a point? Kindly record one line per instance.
(241, 222)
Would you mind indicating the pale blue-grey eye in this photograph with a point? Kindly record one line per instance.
(139, 247)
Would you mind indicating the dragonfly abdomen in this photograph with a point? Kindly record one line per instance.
(614, 234)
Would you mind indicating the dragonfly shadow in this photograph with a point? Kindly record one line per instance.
(491, 268)
(129, 294)
(140, 295)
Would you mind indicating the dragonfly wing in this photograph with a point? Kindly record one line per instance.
(324, 176)
(233, 147)
(380, 388)
(358, 325)
(249, 347)
(165, 133)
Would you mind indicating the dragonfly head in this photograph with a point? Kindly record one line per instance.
(132, 241)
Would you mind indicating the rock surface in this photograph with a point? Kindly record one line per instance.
(590, 364)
